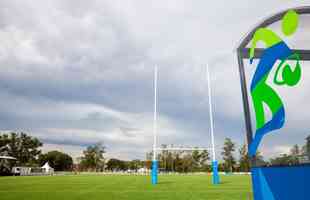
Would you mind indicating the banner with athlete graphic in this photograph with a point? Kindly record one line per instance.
(261, 92)
(274, 66)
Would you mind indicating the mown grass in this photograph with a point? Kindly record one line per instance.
(91, 187)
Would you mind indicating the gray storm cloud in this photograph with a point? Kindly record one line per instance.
(74, 72)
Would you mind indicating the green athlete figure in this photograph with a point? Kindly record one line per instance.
(261, 92)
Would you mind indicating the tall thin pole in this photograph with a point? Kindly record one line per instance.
(214, 161)
(155, 114)
(211, 114)
(154, 161)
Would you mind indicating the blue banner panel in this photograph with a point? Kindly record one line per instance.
(281, 183)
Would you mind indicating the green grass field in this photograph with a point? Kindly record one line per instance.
(170, 187)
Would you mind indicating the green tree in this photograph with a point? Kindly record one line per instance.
(58, 160)
(5, 165)
(260, 159)
(295, 150)
(93, 158)
(295, 153)
(181, 161)
(284, 159)
(244, 160)
(21, 146)
(204, 158)
(135, 164)
(228, 157)
(308, 147)
(196, 155)
(200, 159)
(117, 165)
(4, 141)
(162, 157)
(187, 163)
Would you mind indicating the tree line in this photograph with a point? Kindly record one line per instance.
(233, 159)
(26, 150)
(200, 161)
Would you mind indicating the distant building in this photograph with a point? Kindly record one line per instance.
(6, 164)
(21, 171)
(143, 170)
(46, 169)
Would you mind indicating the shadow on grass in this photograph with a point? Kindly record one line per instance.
(165, 182)
(224, 182)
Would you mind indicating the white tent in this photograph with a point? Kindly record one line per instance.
(8, 157)
(47, 168)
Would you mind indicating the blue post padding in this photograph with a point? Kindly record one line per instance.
(216, 177)
(281, 183)
(154, 171)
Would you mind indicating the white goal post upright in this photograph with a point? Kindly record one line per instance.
(154, 161)
(216, 178)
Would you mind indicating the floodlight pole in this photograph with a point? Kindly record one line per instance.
(154, 161)
(216, 178)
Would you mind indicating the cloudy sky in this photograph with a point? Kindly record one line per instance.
(75, 73)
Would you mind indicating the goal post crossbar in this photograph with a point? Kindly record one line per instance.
(155, 148)
(183, 149)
